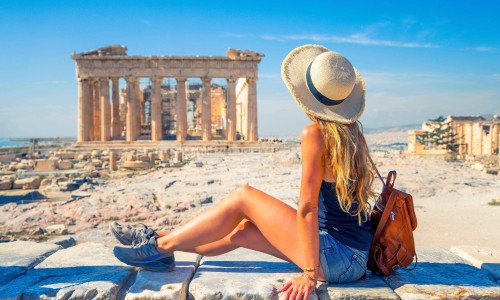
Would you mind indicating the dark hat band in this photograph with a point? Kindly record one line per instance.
(320, 97)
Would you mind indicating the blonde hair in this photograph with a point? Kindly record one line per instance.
(348, 156)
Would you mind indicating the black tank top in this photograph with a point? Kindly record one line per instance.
(340, 224)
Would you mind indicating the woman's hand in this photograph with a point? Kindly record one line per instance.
(298, 288)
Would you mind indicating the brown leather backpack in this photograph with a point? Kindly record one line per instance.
(393, 219)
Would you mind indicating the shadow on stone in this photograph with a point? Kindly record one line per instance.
(58, 282)
(19, 196)
(11, 272)
(249, 266)
(493, 269)
(428, 273)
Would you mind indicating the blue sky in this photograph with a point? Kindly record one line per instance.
(419, 59)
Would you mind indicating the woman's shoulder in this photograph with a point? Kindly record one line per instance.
(311, 131)
(312, 137)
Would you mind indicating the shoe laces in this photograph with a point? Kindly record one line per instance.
(142, 239)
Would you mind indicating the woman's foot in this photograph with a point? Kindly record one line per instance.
(128, 235)
(147, 256)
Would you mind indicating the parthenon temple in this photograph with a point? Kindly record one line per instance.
(183, 98)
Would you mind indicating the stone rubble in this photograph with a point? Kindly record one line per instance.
(49, 173)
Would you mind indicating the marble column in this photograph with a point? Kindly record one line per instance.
(131, 100)
(83, 104)
(156, 126)
(181, 121)
(141, 108)
(206, 109)
(471, 140)
(115, 109)
(105, 110)
(252, 133)
(97, 110)
(123, 110)
(138, 109)
(90, 109)
(231, 110)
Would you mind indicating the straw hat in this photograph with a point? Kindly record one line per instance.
(324, 83)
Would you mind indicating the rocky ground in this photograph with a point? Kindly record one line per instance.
(451, 199)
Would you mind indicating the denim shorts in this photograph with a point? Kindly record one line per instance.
(340, 263)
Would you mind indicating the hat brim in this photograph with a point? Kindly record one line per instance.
(293, 72)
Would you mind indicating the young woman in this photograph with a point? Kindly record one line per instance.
(328, 236)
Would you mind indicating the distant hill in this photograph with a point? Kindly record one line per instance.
(393, 128)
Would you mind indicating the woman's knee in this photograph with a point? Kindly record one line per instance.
(244, 190)
(241, 193)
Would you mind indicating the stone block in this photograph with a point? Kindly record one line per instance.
(153, 156)
(28, 183)
(481, 257)
(10, 178)
(45, 165)
(63, 241)
(144, 158)
(241, 274)
(96, 162)
(112, 161)
(5, 185)
(130, 157)
(85, 271)
(162, 285)
(56, 229)
(164, 155)
(50, 189)
(441, 274)
(19, 256)
(372, 287)
(45, 182)
(65, 164)
(83, 156)
(79, 165)
(178, 156)
(65, 155)
(136, 165)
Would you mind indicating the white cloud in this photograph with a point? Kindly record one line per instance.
(484, 49)
(235, 35)
(360, 39)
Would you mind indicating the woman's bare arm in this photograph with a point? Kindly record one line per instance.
(307, 213)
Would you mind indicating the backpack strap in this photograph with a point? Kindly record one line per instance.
(375, 167)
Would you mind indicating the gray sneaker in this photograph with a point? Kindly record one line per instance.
(128, 235)
(147, 256)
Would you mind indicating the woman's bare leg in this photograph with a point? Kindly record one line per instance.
(245, 235)
(273, 227)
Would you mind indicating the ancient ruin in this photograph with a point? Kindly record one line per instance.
(475, 135)
(162, 110)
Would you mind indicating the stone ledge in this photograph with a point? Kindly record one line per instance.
(167, 286)
(481, 257)
(19, 256)
(85, 271)
(246, 274)
(90, 271)
(442, 275)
